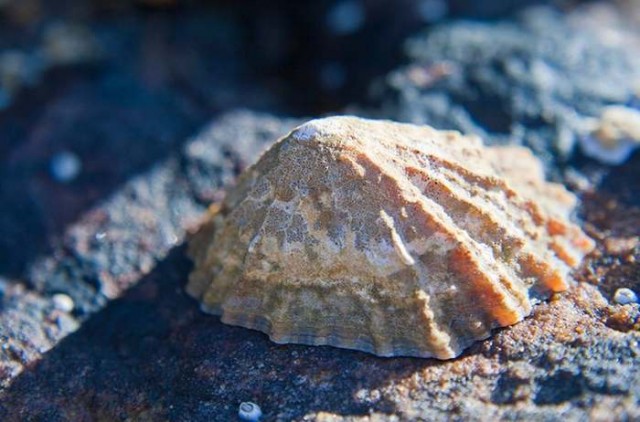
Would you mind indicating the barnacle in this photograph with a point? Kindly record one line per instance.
(389, 238)
(614, 136)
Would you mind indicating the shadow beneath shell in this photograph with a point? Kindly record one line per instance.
(153, 354)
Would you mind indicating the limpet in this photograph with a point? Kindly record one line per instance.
(389, 238)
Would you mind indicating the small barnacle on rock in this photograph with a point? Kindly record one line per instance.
(250, 412)
(394, 239)
(624, 296)
(614, 136)
(63, 302)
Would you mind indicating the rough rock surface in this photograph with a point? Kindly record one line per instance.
(119, 240)
(536, 82)
(152, 354)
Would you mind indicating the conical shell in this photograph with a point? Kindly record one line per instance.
(394, 239)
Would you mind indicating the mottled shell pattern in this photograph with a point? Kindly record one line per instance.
(394, 239)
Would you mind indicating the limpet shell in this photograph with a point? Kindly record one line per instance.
(394, 239)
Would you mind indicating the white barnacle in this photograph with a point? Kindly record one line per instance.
(614, 136)
(625, 296)
(249, 412)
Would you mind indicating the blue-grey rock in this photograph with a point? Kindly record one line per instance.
(535, 81)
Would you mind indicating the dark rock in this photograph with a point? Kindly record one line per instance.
(114, 243)
(154, 80)
(123, 238)
(29, 327)
(324, 48)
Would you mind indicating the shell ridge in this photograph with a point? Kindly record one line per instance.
(541, 253)
(398, 242)
(447, 225)
(372, 165)
(515, 242)
(488, 182)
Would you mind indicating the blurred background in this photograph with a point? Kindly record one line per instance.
(312, 56)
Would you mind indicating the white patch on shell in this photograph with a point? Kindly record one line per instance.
(398, 243)
(319, 127)
(306, 132)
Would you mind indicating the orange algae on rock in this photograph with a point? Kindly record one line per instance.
(394, 239)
